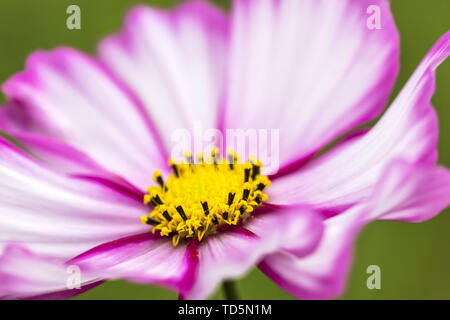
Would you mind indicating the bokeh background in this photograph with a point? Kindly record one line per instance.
(414, 258)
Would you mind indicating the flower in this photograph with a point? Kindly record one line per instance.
(95, 130)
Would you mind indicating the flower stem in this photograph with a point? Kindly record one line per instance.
(230, 290)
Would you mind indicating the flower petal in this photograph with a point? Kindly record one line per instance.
(406, 192)
(233, 253)
(408, 130)
(145, 258)
(66, 159)
(25, 275)
(323, 273)
(55, 214)
(312, 69)
(19, 117)
(174, 61)
(77, 101)
(60, 156)
(411, 192)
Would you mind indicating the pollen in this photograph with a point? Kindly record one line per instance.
(199, 197)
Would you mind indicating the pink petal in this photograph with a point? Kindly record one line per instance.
(66, 159)
(58, 215)
(59, 155)
(323, 273)
(174, 61)
(411, 192)
(312, 69)
(27, 275)
(232, 254)
(146, 258)
(407, 130)
(76, 100)
(406, 192)
(17, 117)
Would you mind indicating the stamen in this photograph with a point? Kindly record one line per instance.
(157, 199)
(196, 199)
(147, 220)
(260, 186)
(231, 198)
(158, 178)
(148, 200)
(256, 170)
(181, 212)
(167, 216)
(231, 159)
(247, 168)
(245, 194)
(174, 168)
(205, 208)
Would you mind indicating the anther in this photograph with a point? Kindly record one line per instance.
(181, 212)
(247, 168)
(205, 208)
(231, 196)
(214, 220)
(174, 168)
(225, 215)
(260, 186)
(158, 178)
(167, 216)
(148, 200)
(157, 199)
(256, 170)
(147, 220)
(245, 194)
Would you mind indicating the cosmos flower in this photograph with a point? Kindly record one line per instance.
(92, 185)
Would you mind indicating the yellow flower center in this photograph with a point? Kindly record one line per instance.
(198, 198)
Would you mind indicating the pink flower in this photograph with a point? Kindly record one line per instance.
(98, 128)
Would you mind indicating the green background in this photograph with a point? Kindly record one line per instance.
(414, 258)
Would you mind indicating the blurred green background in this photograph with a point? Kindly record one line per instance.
(414, 258)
